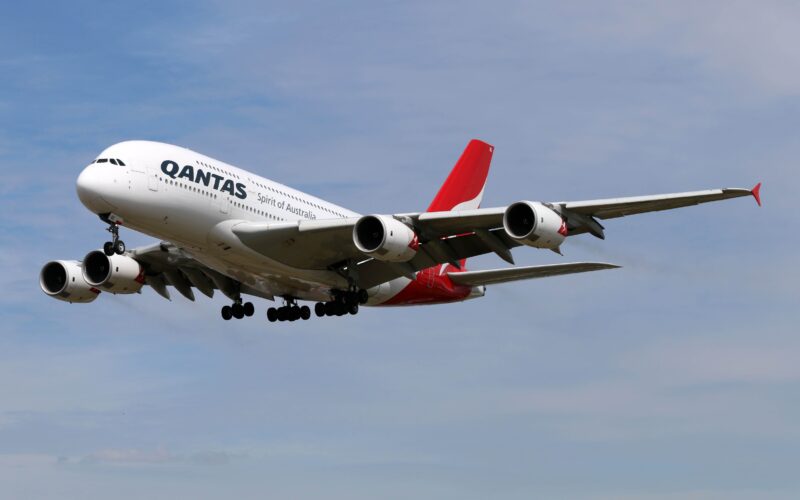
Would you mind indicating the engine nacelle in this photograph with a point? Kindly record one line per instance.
(385, 238)
(62, 280)
(533, 224)
(116, 274)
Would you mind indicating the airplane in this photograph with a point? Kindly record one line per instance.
(225, 228)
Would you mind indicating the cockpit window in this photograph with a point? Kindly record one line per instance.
(114, 161)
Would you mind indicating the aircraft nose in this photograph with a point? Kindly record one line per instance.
(89, 187)
(87, 184)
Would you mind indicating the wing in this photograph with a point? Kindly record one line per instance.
(444, 237)
(495, 276)
(306, 244)
(620, 207)
(165, 264)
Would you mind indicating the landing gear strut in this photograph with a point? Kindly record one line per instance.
(289, 312)
(238, 310)
(116, 245)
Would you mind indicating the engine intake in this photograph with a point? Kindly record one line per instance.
(62, 280)
(385, 238)
(116, 274)
(535, 225)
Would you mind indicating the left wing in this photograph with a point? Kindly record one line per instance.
(165, 264)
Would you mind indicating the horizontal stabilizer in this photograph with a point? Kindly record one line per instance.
(495, 276)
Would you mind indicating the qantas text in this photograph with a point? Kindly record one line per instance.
(214, 181)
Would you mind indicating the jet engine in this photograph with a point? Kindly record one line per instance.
(385, 238)
(534, 224)
(116, 274)
(62, 280)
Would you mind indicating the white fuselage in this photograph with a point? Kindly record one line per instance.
(192, 200)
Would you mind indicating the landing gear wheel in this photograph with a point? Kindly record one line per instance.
(108, 248)
(330, 308)
(305, 312)
(238, 310)
(294, 313)
(227, 313)
(282, 314)
(119, 247)
(272, 315)
(249, 309)
(319, 309)
(353, 309)
(363, 296)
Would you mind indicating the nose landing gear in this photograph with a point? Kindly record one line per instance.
(116, 245)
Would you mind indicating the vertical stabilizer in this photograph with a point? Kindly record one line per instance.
(463, 188)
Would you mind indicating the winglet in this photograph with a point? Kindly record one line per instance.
(756, 192)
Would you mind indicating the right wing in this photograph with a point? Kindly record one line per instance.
(495, 276)
(445, 236)
(620, 207)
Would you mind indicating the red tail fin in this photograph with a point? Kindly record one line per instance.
(463, 188)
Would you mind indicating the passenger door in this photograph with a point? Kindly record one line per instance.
(152, 179)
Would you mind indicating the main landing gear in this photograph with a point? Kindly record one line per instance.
(342, 303)
(116, 245)
(238, 310)
(289, 312)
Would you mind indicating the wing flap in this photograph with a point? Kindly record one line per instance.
(495, 276)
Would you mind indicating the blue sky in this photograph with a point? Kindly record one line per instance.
(675, 377)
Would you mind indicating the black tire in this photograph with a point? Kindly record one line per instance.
(108, 248)
(341, 309)
(330, 308)
(363, 296)
(272, 315)
(249, 309)
(353, 309)
(119, 247)
(282, 314)
(226, 313)
(319, 309)
(305, 312)
(294, 315)
(238, 310)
